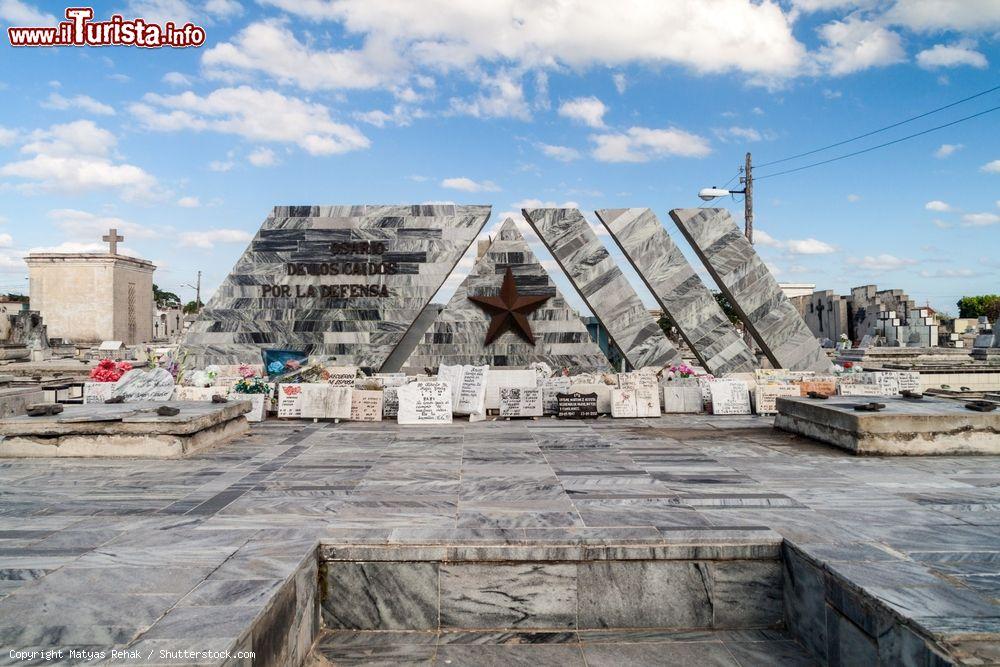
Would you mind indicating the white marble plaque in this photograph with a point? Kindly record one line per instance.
(602, 390)
(182, 393)
(366, 405)
(682, 399)
(390, 401)
(636, 379)
(290, 401)
(98, 392)
(496, 378)
(729, 397)
(551, 387)
(862, 390)
(324, 401)
(623, 403)
(647, 401)
(424, 403)
(342, 376)
(392, 379)
(766, 396)
(142, 385)
(468, 387)
(520, 402)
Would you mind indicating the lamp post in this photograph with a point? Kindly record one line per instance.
(708, 194)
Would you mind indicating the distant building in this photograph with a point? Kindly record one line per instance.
(792, 290)
(867, 311)
(86, 298)
(600, 336)
(167, 322)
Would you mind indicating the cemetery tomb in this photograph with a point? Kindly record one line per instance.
(748, 284)
(340, 281)
(602, 286)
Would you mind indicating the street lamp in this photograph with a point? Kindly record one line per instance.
(708, 194)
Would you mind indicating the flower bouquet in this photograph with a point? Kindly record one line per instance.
(254, 390)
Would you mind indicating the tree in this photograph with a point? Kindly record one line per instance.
(668, 327)
(726, 307)
(987, 305)
(18, 298)
(163, 298)
(192, 307)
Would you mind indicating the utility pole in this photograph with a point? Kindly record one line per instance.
(747, 181)
(197, 290)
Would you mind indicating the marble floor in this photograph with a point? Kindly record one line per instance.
(96, 554)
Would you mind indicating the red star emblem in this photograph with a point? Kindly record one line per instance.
(509, 311)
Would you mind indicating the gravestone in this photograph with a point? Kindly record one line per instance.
(392, 379)
(623, 403)
(468, 386)
(390, 401)
(551, 387)
(647, 391)
(601, 390)
(97, 392)
(678, 290)
(636, 402)
(496, 378)
(342, 376)
(767, 395)
(424, 403)
(576, 406)
(863, 389)
(333, 281)
(290, 401)
(520, 402)
(682, 399)
(819, 384)
(458, 333)
(729, 397)
(142, 385)
(324, 401)
(366, 405)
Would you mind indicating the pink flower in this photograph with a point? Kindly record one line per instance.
(246, 371)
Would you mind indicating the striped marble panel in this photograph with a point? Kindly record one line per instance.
(424, 242)
(457, 335)
(602, 285)
(681, 294)
(748, 284)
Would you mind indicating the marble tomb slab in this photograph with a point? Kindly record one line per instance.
(929, 426)
(748, 284)
(679, 291)
(124, 430)
(602, 285)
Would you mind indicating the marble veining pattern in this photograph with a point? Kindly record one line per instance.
(424, 241)
(602, 285)
(748, 284)
(678, 290)
(457, 334)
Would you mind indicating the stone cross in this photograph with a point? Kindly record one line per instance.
(112, 238)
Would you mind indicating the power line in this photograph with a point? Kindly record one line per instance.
(881, 129)
(888, 143)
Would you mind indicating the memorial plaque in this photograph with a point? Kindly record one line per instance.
(729, 397)
(682, 399)
(496, 378)
(520, 402)
(576, 406)
(182, 393)
(623, 403)
(767, 396)
(142, 385)
(333, 281)
(863, 389)
(290, 401)
(98, 392)
(821, 385)
(366, 405)
(424, 403)
(599, 389)
(468, 387)
(342, 376)
(324, 401)
(551, 387)
(390, 401)
(392, 379)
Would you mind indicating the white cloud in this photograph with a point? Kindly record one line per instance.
(953, 55)
(937, 205)
(760, 237)
(809, 247)
(469, 185)
(189, 202)
(6, 240)
(76, 246)
(941, 224)
(258, 115)
(224, 8)
(80, 225)
(502, 97)
(642, 144)
(621, 83)
(991, 167)
(76, 157)
(854, 44)
(832, 94)
(883, 262)
(221, 165)
(935, 15)
(82, 102)
(263, 157)
(951, 273)
(7, 136)
(586, 110)
(176, 79)
(853, 198)
(561, 153)
(207, 239)
(980, 219)
(17, 13)
(947, 150)
(736, 133)
(400, 115)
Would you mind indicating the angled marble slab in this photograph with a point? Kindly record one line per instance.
(284, 293)
(748, 284)
(456, 336)
(602, 285)
(678, 290)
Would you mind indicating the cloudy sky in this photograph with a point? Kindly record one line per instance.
(515, 103)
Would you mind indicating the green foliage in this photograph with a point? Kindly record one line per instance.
(727, 307)
(162, 298)
(192, 307)
(19, 298)
(978, 306)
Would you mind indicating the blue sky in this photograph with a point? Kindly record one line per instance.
(513, 103)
